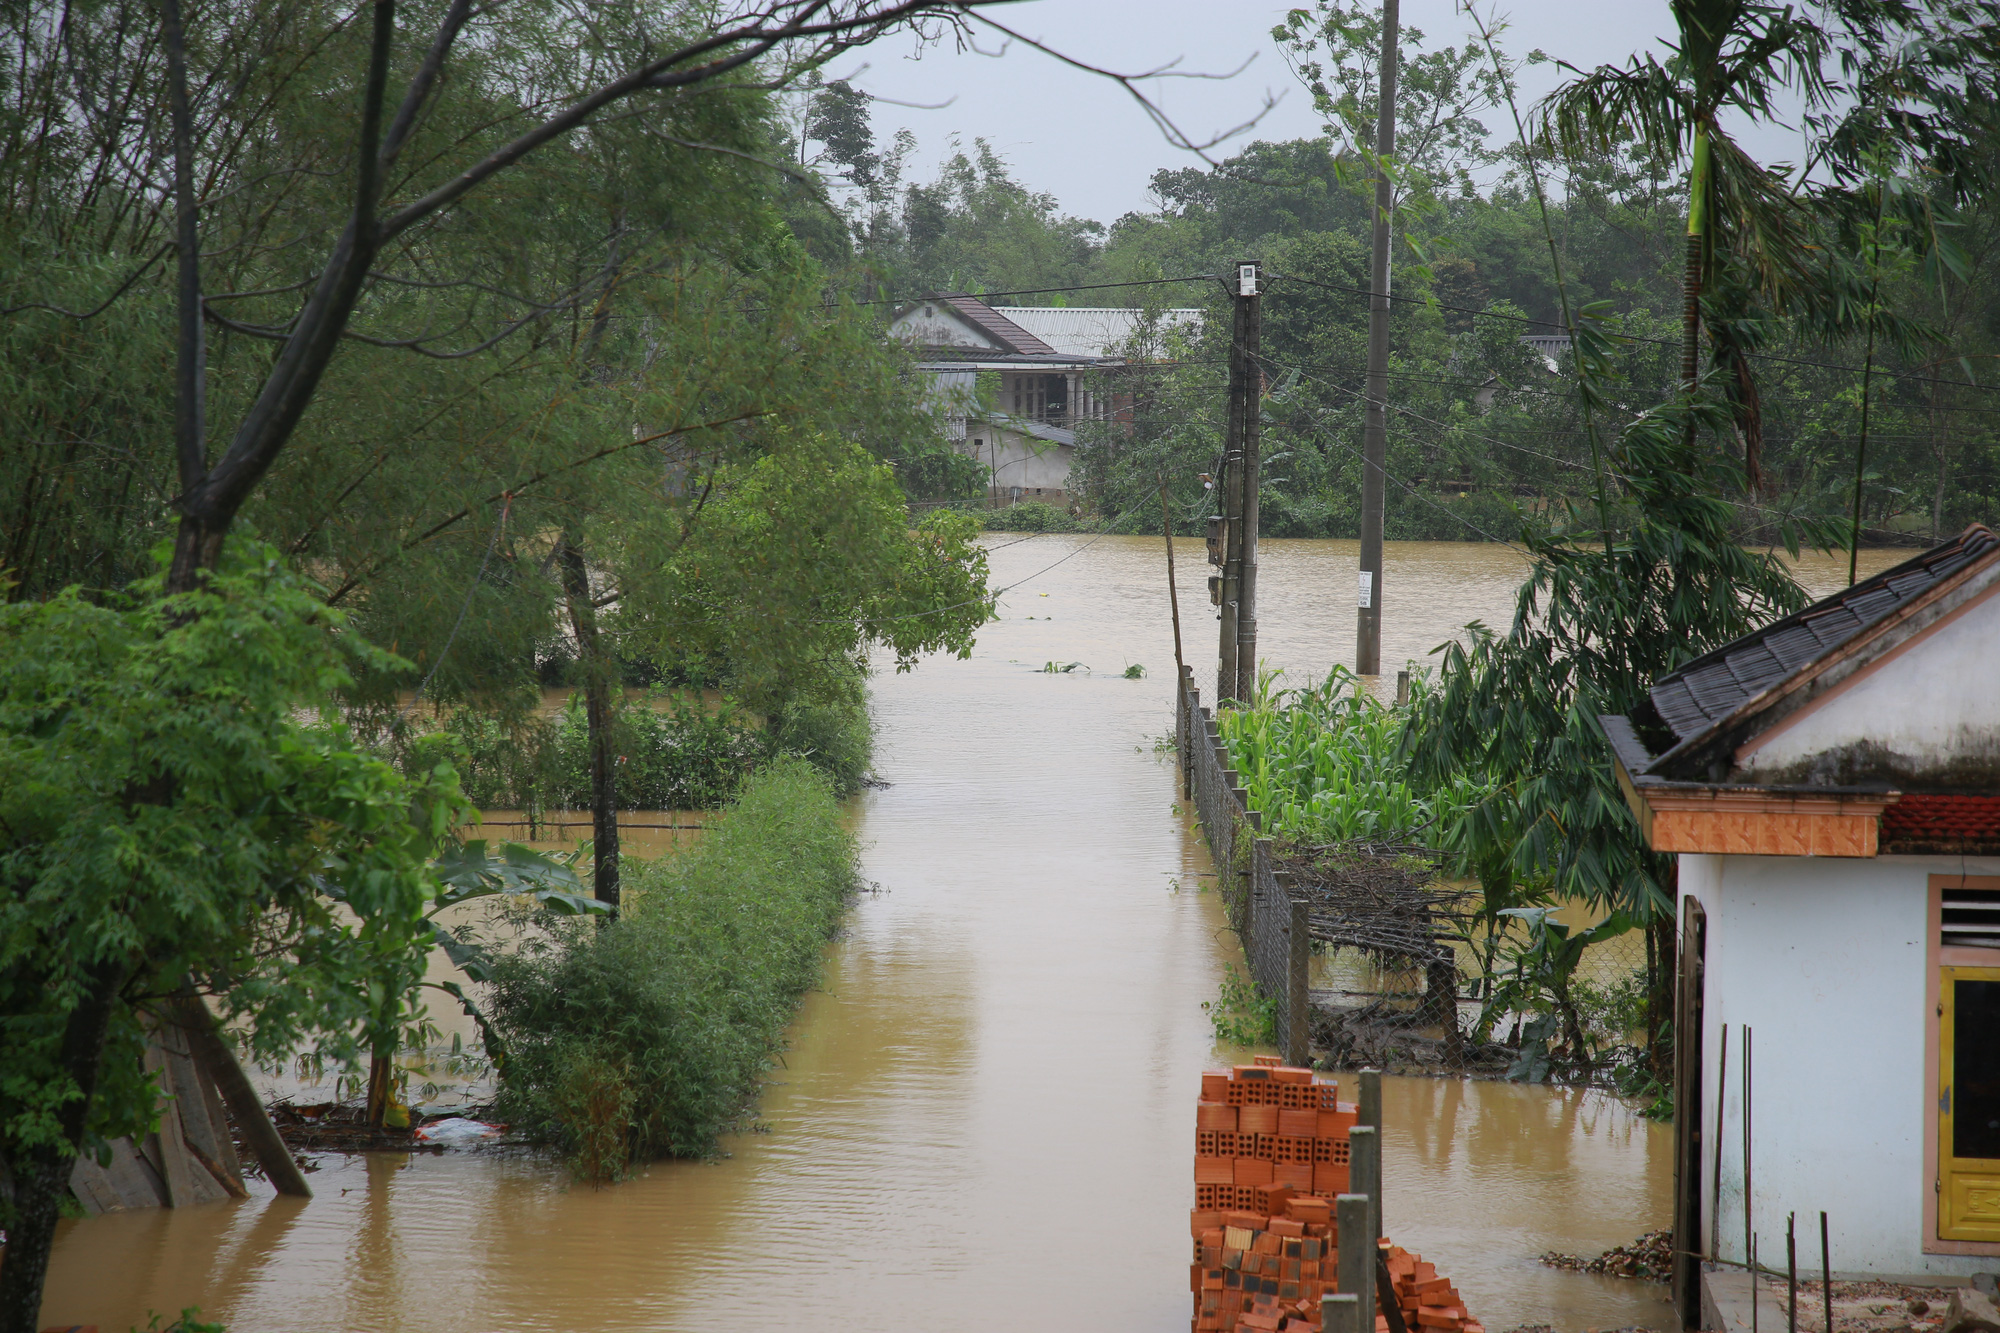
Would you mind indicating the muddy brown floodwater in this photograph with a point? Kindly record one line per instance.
(984, 1119)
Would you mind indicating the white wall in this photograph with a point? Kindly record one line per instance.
(1927, 706)
(1825, 959)
(1024, 461)
(938, 326)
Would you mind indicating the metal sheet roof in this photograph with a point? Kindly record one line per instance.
(1091, 330)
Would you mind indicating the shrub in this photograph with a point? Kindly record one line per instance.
(1030, 516)
(836, 738)
(649, 1035)
(679, 756)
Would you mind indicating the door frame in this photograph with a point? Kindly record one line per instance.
(1689, 1012)
(1937, 958)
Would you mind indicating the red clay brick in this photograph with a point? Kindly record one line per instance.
(1257, 1120)
(1291, 1124)
(1217, 1114)
(1250, 1171)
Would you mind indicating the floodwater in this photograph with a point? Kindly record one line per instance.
(984, 1120)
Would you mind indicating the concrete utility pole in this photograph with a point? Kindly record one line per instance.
(1374, 433)
(1239, 500)
(1249, 392)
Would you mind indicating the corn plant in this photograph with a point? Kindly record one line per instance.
(1322, 765)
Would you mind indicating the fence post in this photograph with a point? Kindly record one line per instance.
(1371, 1117)
(1364, 1176)
(1188, 712)
(1371, 1098)
(1298, 1050)
(1340, 1312)
(1357, 1255)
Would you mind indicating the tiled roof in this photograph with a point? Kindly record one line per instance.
(996, 326)
(1696, 696)
(1943, 822)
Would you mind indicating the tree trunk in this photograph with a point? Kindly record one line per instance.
(598, 677)
(1697, 246)
(41, 1174)
(1665, 965)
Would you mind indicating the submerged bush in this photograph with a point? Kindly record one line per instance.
(674, 752)
(649, 1035)
(1030, 516)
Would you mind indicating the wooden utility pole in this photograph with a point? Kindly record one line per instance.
(1374, 431)
(1239, 501)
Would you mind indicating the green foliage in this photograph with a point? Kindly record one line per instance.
(1335, 50)
(1323, 764)
(1029, 516)
(803, 557)
(187, 1323)
(975, 228)
(1239, 1015)
(833, 734)
(662, 1023)
(1537, 981)
(1600, 616)
(675, 754)
(180, 802)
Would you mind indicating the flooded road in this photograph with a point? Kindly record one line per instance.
(985, 1119)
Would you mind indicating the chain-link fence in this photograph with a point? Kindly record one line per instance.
(1370, 959)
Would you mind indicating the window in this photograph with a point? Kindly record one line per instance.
(1969, 1103)
(1969, 917)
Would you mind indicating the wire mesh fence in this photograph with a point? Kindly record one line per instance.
(1368, 957)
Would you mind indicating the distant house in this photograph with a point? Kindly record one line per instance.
(1832, 786)
(1025, 437)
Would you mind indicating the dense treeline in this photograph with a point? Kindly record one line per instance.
(364, 369)
(1479, 420)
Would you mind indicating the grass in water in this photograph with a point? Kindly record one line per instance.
(649, 1035)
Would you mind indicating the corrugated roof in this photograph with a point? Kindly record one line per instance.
(996, 326)
(1710, 688)
(1091, 330)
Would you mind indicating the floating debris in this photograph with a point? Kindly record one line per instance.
(1651, 1257)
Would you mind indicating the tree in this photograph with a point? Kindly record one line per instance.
(1750, 234)
(168, 818)
(386, 183)
(1334, 48)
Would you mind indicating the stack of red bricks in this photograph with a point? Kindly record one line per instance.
(1427, 1300)
(1271, 1155)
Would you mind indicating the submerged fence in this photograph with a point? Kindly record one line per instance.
(1271, 922)
(1475, 1007)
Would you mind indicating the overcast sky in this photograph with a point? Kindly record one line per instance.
(1083, 139)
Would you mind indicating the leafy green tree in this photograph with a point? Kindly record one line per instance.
(976, 228)
(267, 189)
(170, 817)
(1335, 50)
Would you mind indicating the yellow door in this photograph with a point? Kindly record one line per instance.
(1969, 1104)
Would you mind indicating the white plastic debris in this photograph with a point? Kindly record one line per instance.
(457, 1132)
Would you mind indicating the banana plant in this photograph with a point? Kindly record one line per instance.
(1539, 988)
(465, 871)
(475, 869)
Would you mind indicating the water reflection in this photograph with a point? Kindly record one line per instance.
(984, 1117)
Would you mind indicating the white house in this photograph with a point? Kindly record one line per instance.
(1832, 785)
(1043, 356)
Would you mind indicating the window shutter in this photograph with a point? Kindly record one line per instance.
(1971, 918)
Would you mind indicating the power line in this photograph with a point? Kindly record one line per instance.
(1632, 337)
